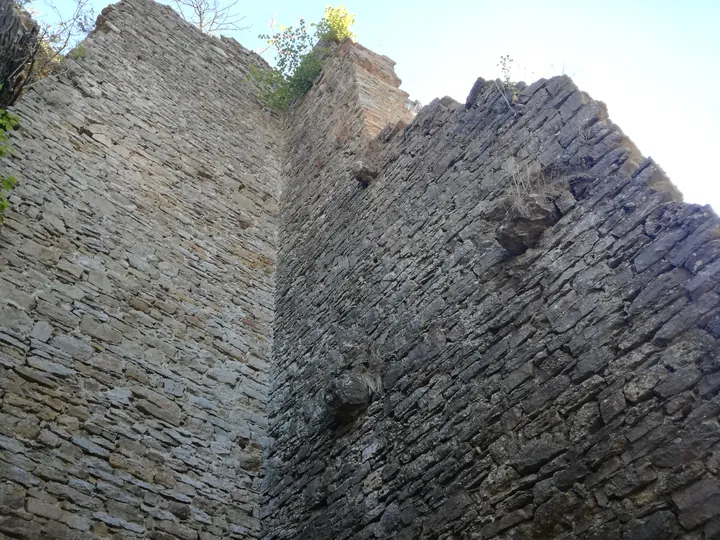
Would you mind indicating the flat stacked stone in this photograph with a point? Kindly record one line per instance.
(541, 311)
(136, 289)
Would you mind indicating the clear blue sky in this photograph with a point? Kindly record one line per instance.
(656, 64)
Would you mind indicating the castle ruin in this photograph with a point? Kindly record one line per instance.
(217, 322)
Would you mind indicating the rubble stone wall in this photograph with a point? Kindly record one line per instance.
(492, 320)
(136, 289)
(510, 333)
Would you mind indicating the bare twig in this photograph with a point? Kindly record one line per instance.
(211, 16)
(52, 43)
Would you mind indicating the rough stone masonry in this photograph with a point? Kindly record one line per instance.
(136, 286)
(493, 320)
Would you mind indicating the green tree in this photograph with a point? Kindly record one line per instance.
(299, 56)
(336, 25)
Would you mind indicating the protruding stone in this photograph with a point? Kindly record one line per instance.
(525, 222)
(363, 173)
(351, 393)
(475, 92)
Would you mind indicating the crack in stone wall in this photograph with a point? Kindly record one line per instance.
(136, 290)
(567, 391)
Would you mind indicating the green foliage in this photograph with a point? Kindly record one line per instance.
(80, 51)
(6, 184)
(304, 76)
(274, 89)
(336, 24)
(8, 121)
(291, 45)
(298, 60)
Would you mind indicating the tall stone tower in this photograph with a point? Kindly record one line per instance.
(136, 289)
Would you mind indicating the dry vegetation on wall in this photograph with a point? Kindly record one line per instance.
(533, 191)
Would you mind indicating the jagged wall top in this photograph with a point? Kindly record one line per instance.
(511, 332)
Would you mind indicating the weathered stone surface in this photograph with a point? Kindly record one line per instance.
(513, 318)
(42, 331)
(47, 366)
(351, 393)
(136, 287)
(100, 331)
(119, 523)
(540, 309)
(19, 528)
(42, 509)
(90, 447)
(698, 503)
(177, 530)
(658, 526)
(169, 415)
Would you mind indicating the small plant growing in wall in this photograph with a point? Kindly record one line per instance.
(8, 122)
(80, 51)
(299, 55)
(336, 25)
(505, 65)
(509, 90)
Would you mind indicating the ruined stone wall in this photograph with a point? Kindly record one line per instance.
(136, 290)
(511, 333)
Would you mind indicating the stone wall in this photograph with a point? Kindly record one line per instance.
(136, 290)
(510, 333)
(493, 321)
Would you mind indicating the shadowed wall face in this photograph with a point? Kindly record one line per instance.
(136, 290)
(510, 333)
